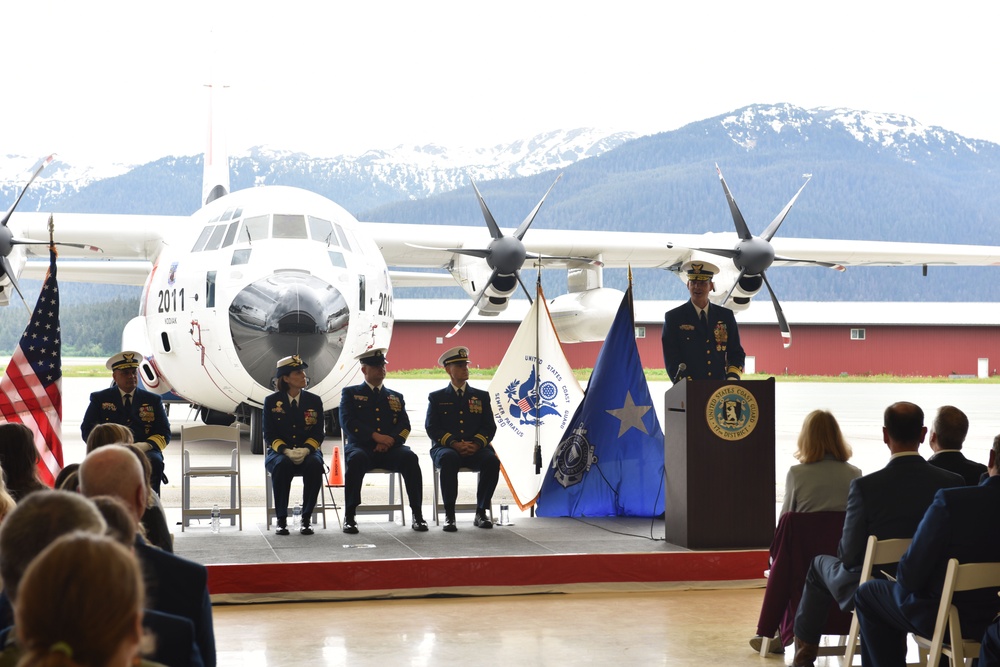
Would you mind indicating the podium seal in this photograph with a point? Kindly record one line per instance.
(732, 412)
(573, 458)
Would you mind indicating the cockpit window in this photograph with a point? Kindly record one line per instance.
(343, 238)
(337, 259)
(228, 215)
(241, 256)
(199, 245)
(216, 239)
(231, 234)
(254, 229)
(322, 230)
(289, 226)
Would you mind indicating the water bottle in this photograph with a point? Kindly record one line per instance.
(296, 515)
(504, 515)
(216, 516)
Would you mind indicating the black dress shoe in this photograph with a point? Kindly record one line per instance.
(483, 521)
(350, 526)
(419, 524)
(449, 525)
(306, 529)
(282, 529)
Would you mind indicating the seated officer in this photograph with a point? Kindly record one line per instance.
(460, 425)
(138, 410)
(376, 427)
(293, 433)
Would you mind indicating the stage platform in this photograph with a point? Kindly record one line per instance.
(388, 560)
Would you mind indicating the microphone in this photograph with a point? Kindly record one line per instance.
(680, 371)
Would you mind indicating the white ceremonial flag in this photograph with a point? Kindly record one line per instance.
(534, 395)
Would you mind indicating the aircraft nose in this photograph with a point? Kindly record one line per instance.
(285, 314)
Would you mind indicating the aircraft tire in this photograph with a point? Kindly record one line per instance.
(256, 431)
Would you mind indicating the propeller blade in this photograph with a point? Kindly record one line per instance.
(37, 170)
(526, 292)
(786, 333)
(523, 228)
(773, 227)
(721, 252)
(490, 222)
(829, 265)
(461, 323)
(9, 270)
(471, 252)
(81, 246)
(741, 225)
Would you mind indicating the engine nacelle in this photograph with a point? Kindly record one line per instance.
(746, 288)
(472, 273)
(134, 337)
(587, 316)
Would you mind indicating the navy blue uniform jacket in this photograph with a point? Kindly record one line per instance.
(450, 418)
(285, 427)
(363, 412)
(709, 353)
(147, 419)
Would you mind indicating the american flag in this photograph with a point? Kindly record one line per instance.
(31, 387)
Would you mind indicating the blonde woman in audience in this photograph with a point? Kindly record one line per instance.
(77, 580)
(820, 482)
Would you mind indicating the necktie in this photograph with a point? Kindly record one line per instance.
(704, 320)
(128, 402)
(460, 393)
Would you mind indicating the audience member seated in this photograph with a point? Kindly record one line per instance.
(108, 433)
(175, 585)
(7, 501)
(947, 436)
(819, 485)
(961, 523)
(888, 503)
(80, 603)
(19, 460)
(989, 652)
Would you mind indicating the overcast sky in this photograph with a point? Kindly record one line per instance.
(124, 81)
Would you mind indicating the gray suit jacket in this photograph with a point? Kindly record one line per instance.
(818, 487)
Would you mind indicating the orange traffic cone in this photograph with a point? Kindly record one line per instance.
(336, 471)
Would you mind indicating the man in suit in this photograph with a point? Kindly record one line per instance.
(139, 410)
(947, 436)
(461, 427)
(376, 426)
(293, 432)
(701, 340)
(888, 503)
(174, 585)
(960, 524)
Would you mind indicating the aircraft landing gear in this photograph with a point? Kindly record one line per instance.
(256, 431)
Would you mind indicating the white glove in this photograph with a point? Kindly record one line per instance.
(299, 455)
(144, 446)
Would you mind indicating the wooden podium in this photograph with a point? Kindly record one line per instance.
(719, 462)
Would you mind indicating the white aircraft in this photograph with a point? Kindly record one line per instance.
(262, 273)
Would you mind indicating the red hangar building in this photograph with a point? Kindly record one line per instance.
(828, 338)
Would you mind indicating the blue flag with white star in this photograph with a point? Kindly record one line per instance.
(610, 459)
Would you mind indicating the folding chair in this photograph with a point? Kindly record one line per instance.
(269, 512)
(459, 507)
(958, 577)
(878, 552)
(201, 433)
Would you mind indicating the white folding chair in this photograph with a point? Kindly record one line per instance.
(958, 577)
(230, 435)
(269, 503)
(459, 507)
(877, 553)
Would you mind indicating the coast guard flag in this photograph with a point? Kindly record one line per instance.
(533, 394)
(610, 459)
(31, 387)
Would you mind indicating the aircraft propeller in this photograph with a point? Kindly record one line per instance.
(7, 240)
(753, 255)
(505, 254)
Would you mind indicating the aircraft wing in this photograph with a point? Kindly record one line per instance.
(648, 250)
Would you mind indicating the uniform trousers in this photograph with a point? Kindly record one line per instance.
(283, 469)
(449, 461)
(359, 460)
